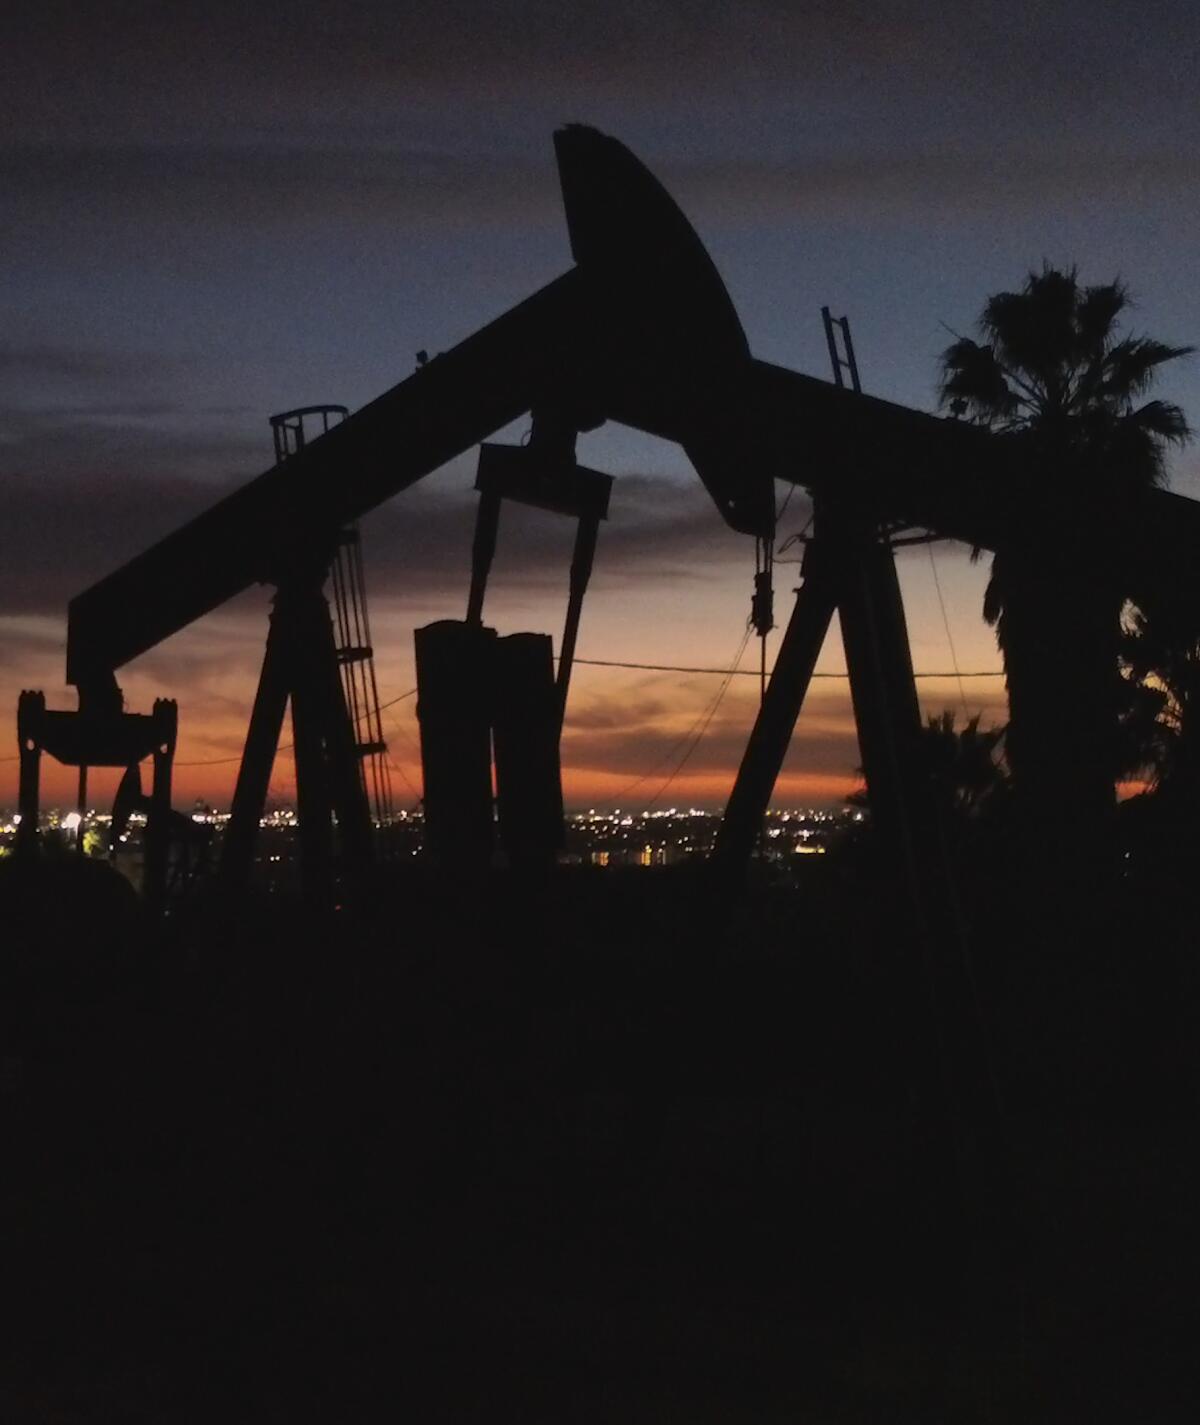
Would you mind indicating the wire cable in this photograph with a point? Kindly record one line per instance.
(679, 742)
(690, 740)
(709, 717)
(937, 584)
(753, 672)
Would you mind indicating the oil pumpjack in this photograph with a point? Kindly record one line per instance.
(641, 331)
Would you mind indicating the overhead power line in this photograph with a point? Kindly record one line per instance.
(753, 672)
(937, 584)
(634, 667)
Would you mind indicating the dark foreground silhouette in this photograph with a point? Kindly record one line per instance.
(581, 1149)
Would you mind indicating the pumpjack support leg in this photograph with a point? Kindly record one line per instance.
(300, 663)
(886, 708)
(258, 758)
(314, 806)
(776, 721)
(158, 834)
(947, 1031)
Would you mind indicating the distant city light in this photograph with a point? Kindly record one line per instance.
(610, 839)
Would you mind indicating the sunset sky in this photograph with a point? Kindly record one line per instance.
(213, 212)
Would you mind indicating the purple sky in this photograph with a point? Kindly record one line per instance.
(213, 212)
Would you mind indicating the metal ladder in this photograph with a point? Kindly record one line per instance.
(842, 360)
(352, 630)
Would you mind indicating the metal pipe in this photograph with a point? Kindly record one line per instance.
(581, 573)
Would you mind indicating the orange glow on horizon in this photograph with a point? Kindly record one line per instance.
(581, 789)
(626, 729)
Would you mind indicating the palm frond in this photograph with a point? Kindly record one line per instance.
(993, 600)
(1096, 316)
(971, 373)
(1132, 364)
(1033, 330)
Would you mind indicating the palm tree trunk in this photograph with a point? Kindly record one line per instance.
(1058, 631)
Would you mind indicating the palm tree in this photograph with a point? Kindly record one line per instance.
(966, 769)
(1160, 656)
(1055, 375)
(966, 764)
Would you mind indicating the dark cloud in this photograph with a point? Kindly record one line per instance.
(825, 740)
(143, 70)
(35, 361)
(121, 190)
(81, 498)
(604, 714)
(88, 486)
(268, 188)
(121, 441)
(659, 529)
(137, 68)
(900, 183)
(213, 667)
(29, 642)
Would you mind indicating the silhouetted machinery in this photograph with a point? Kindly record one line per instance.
(640, 331)
(480, 695)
